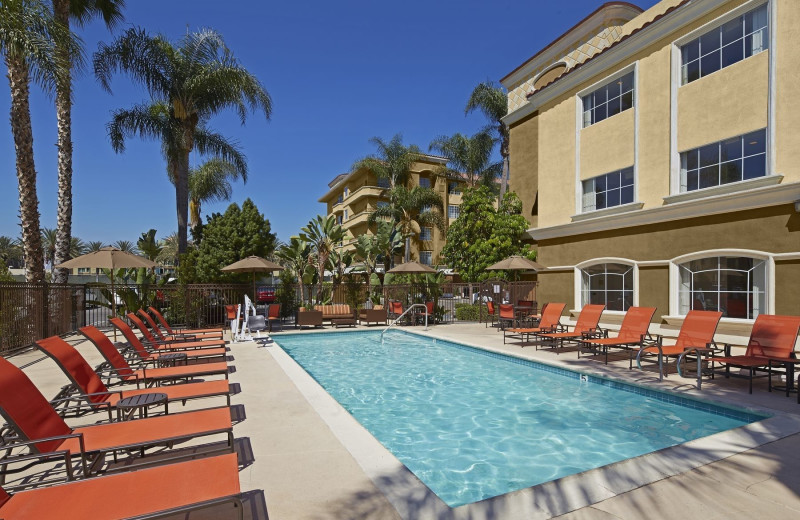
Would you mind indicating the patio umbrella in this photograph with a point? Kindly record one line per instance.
(412, 268)
(516, 263)
(253, 264)
(108, 258)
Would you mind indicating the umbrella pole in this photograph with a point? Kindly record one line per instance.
(113, 302)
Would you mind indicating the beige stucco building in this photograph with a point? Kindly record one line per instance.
(656, 154)
(353, 196)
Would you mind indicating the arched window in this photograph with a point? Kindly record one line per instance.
(734, 285)
(609, 284)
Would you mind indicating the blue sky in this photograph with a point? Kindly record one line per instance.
(339, 73)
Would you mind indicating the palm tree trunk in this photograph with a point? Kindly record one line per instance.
(182, 197)
(408, 249)
(504, 179)
(64, 120)
(19, 81)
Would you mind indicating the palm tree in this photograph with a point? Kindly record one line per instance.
(491, 100)
(81, 11)
(10, 251)
(393, 161)
(155, 121)
(94, 246)
(27, 35)
(297, 256)
(49, 245)
(410, 210)
(371, 249)
(470, 156)
(323, 234)
(210, 182)
(169, 250)
(195, 80)
(125, 245)
(77, 247)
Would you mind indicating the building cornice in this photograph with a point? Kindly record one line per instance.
(564, 43)
(614, 56)
(725, 203)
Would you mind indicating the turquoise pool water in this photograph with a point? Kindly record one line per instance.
(472, 424)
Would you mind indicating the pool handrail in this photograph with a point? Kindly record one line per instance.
(404, 313)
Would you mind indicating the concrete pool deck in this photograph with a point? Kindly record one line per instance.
(313, 461)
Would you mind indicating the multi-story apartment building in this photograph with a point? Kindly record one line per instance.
(353, 196)
(657, 156)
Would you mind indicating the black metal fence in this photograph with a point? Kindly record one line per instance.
(29, 312)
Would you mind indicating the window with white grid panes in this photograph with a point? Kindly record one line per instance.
(424, 182)
(731, 42)
(426, 233)
(732, 160)
(612, 98)
(609, 190)
(735, 286)
(453, 211)
(453, 188)
(426, 257)
(608, 284)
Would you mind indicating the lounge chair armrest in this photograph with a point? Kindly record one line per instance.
(34, 456)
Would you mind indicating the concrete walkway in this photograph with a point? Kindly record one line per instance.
(304, 457)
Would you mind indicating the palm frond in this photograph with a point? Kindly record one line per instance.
(144, 57)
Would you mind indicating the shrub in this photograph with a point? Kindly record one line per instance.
(470, 312)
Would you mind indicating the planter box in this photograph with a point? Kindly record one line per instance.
(309, 318)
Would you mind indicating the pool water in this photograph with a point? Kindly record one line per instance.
(472, 424)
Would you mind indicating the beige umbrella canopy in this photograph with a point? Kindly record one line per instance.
(516, 263)
(411, 268)
(108, 258)
(253, 264)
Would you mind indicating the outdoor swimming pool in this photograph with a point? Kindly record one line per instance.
(472, 424)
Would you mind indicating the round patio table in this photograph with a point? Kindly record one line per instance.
(127, 407)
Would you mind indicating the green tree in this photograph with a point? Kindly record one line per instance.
(392, 162)
(126, 245)
(10, 252)
(210, 182)
(482, 236)
(296, 255)
(196, 79)
(410, 210)
(374, 248)
(169, 250)
(490, 99)
(229, 237)
(5, 274)
(469, 158)
(323, 234)
(80, 11)
(49, 245)
(94, 245)
(149, 246)
(28, 33)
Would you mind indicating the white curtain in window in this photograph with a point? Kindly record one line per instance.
(684, 181)
(684, 291)
(588, 203)
(759, 37)
(759, 276)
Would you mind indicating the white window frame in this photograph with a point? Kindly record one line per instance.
(422, 261)
(675, 279)
(604, 84)
(450, 209)
(429, 233)
(578, 280)
(453, 188)
(579, 128)
(675, 84)
(593, 179)
(719, 163)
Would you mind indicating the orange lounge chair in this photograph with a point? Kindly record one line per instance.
(147, 376)
(551, 314)
(37, 424)
(145, 355)
(96, 395)
(587, 323)
(772, 339)
(164, 338)
(175, 344)
(631, 333)
(146, 493)
(697, 331)
(175, 331)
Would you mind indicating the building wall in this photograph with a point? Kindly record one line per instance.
(551, 153)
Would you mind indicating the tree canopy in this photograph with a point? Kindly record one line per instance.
(483, 235)
(227, 238)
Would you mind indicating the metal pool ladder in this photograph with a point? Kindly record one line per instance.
(404, 313)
